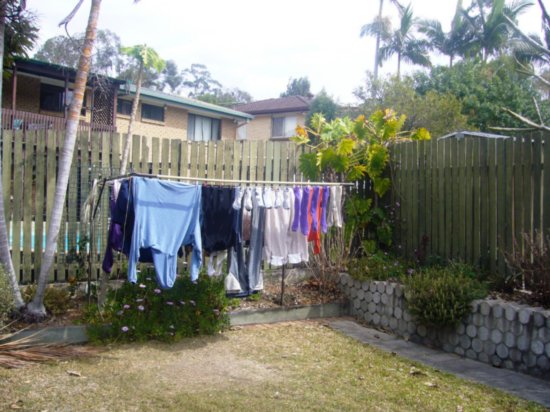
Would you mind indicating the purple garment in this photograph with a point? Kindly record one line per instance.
(297, 199)
(324, 205)
(114, 241)
(304, 207)
(314, 209)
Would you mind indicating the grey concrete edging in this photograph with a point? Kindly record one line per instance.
(76, 334)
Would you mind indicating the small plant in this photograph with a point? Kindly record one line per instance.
(56, 300)
(377, 266)
(531, 266)
(441, 296)
(6, 297)
(142, 311)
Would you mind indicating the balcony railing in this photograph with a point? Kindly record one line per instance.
(19, 120)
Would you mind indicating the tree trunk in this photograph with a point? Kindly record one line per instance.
(5, 257)
(135, 104)
(377, 50)
(36, 306)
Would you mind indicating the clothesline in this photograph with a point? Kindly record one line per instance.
(231, 181)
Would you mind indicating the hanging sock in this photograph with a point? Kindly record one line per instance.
(304, 210)
(324, 207)
(248, 199)
(278, 198)
(334, 217)
(286, 198)
(237, 203)
(268, 197)
(297, 209)
(259, 197)
(215, 263)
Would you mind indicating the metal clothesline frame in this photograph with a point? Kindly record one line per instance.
(104, 182)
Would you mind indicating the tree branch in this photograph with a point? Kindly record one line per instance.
(527, 121)
(526, 70)
(67, 19)
(528, 39)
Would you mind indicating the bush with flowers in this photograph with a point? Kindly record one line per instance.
(143, 311)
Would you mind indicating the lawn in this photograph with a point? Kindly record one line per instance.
(287, 366)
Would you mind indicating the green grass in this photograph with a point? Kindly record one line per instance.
(283, 367)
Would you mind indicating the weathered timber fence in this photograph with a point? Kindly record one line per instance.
(30, 162)
(471, 199)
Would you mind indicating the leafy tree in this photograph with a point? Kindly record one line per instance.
(171, 78)
(36, 306)
(324, 104)
(147, 58)
(65, 51)
(298, 87)
(484, 89)
(226, 97)
(198, 80)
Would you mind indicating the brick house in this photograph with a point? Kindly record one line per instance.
(43, 92)
(274, 119)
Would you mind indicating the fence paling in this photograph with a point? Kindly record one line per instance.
(472, 197)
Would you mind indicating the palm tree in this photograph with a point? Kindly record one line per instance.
(36, 307)
(402, 43)
(455, 42)
(489, 26)
(147, 58)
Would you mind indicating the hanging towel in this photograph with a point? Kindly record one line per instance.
(166, 217)
(324, 207)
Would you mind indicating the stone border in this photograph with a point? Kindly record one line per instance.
(500, 333)
(76, 334)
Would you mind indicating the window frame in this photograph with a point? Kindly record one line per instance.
(191, 119)
(125, 103)
(160, 109)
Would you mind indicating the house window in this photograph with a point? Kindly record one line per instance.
(283, 127)
(124, 107)
(54, 99)
(150, 112)
(203, 129)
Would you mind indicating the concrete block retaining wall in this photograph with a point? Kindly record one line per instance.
(500, 333)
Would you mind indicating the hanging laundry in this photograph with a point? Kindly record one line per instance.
(334, 217)
(167, 217)
(217, 218)
(314, 217)
(324, 207)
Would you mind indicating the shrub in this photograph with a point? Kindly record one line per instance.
(7, 303)
(377, 266)
(441, 296)
(142, 311)
(56, 300)
(531, 267)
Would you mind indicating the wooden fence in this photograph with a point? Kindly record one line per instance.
(29, 165)
(471, 199)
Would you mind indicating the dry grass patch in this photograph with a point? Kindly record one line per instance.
(289, 366)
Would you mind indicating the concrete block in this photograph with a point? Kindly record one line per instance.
(475, 306)
(411, 327)
(390, 288)
(365, 286)
(356, 304)
(483, 333)
(508, 364)
(384, 298)
(453, 339)
(465, 341)
(407, 316)
(461, 329)
(477, 319)
(496, 361)
(360, 294)
(543, 363)
(368, 296)
(376, 319)
(398, 291)
(372, 307)
(496, 336)
(376, 297)
(459, 351)
(402, 326)
(485, 308)
(368, 317)
(523, 342)
(510, 312)
(529, 359)
(388, 310)
(517, 328)
(477, 345)
(500, 324)
(544, 334)
(384, 321)
(397, 312)
(498, 310)
(538, 318)
(510, 339)
(364, 306)
(489, 347)
(471, 354)
(471, 331)
(357, 284)
(524, 315)
(447, 347)
(393, 323)
(483, 357)
(547, 349)
(381, 287)
(515, 355)
(502, 351)
(537, 347)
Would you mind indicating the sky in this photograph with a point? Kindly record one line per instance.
(254, 45)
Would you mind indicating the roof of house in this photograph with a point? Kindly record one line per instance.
(52, 70)
(187, 103)
(277, 105)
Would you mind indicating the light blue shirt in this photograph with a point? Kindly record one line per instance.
(166, 218)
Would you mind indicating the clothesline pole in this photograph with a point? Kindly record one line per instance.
(283, 285)
(230, 181)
